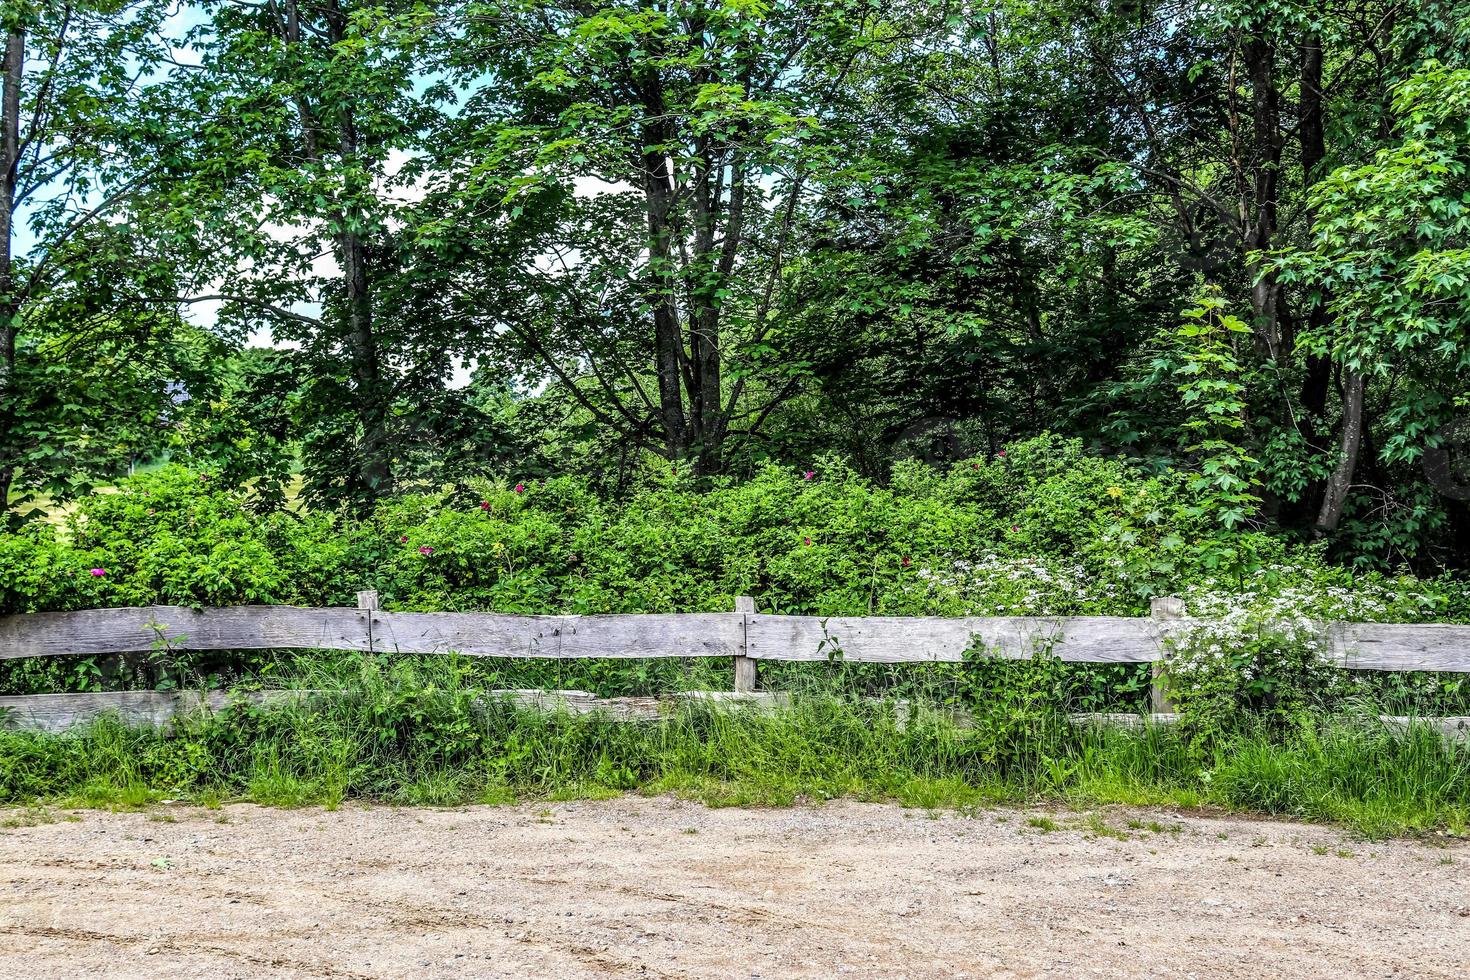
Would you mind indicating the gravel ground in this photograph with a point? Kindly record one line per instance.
(659, 888)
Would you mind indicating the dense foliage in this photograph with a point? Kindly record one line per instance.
(505, 238)
(1040, 528)
(951, 307)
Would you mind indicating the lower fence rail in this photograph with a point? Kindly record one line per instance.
(743, 636)
(57, 713)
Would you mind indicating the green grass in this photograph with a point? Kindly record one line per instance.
(416, 732)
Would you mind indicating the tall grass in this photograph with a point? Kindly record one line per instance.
(424, 732)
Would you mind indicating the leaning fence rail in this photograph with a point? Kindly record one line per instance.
(744, 636)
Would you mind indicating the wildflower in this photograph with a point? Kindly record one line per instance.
(809, 474)
(425, 550)
(498, 546)
(403, 539)
(1015, 527)
(974, 466)
(150, 511)
(520, 488)
(807, 542)
(98, 572)
(1001, 454)
(905, 563)
(1115, 492)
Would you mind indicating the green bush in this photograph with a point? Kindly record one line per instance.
(1043, 528)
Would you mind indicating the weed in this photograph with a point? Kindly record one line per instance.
(420, 731)
(1098, 826)
(30, 817)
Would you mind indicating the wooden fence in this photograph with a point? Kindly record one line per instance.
(744, 636)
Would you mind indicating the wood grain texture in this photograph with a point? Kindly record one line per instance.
(1167, 610)
(155, 709)
(1455, 728)
(504, 635)
(58, 712)
(1390, 646)
(746, 675)
(904, 639)
(1097, 639)
(144, 628)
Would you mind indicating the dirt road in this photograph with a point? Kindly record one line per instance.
(659, 888)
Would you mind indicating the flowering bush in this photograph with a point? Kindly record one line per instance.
(1250, 661)
(1257, 647)
(1017, 585)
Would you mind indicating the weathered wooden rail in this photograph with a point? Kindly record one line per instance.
(864, 639)
(744, 636)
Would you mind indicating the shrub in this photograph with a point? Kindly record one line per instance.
(1044, 528)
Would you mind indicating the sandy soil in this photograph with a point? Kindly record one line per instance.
(659, 888)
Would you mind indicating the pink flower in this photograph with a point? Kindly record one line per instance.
(809, 474)
(425, 550)
(1015, 527)
(1001, 454)
(203, 477)
(520, 488)
(403, 539)
(905, 563)
(484, 505)
(807, 542)
(98, 572)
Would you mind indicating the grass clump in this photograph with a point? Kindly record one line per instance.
(419, 732)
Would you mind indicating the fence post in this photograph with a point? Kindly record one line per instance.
(368, 599)
(744, 666)
(1162, 609)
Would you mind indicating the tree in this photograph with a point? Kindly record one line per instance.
(1390, 260)
(295, 184)
(79, 120)
(665, 151)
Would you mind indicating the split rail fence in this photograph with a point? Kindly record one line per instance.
(744, 636)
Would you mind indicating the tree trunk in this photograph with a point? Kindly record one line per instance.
(713, 421)
(1347, 459)
(9, 301)
(668, 342)
(374, 463)
(1318, 379)
(1260, 58)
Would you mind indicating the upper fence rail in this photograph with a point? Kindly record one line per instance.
(748, 635)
